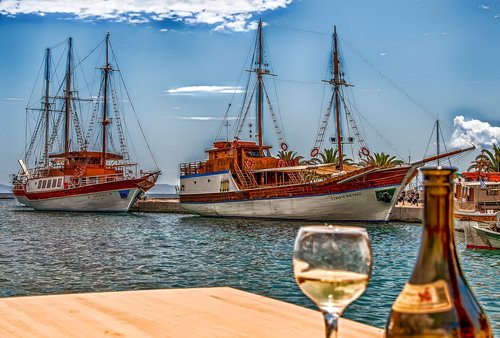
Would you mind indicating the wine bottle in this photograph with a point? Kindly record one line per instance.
(436, 301)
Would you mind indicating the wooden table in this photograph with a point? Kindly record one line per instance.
(203, 312)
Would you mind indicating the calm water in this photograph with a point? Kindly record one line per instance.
(53, 253)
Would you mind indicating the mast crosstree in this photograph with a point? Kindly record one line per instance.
(262, 96)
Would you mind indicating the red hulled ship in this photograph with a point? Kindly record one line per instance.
(66, 169)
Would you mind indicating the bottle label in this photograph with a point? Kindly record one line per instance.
(424, 298)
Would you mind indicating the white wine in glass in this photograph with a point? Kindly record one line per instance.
(332, 266)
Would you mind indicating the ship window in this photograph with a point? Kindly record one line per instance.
(208, 180)
(194, 182)
(48, 184)
(59, 182)
(54, 182)
(44, 184)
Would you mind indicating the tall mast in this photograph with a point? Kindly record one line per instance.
(260, 71)
(47, 107)
(437, 139)
(67, 97)
(105, 121)
(337, 82)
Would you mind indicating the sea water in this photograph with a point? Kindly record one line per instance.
(57, 252)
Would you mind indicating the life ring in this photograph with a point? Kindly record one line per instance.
(284, 146)
(365, 151)
(281, 163)
(314, 152)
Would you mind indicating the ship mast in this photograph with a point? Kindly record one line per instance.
(47, 107)
(437, 139)
(67, 98)
(260, 71)
(337, 82)
(105, 121)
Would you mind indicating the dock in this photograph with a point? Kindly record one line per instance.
(166, 205)
(187, 313)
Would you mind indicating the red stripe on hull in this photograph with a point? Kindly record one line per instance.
(90, 189)
(470, 246)
(382, 178)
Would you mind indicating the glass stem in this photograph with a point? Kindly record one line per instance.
(331, 324)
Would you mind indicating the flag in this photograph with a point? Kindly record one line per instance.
(481, 183)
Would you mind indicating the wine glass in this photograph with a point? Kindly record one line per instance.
(332, 266)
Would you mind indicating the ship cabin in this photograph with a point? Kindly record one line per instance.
(85, 163)
(249, 165)
(476, 191)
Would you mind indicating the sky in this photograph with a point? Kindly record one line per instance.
(184, 62)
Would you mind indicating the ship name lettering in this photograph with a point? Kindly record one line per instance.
(354, 194)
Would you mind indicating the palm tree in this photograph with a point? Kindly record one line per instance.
(381, 160)
(329, 155)
(487, 161)
(289, 155)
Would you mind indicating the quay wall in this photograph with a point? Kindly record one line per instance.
(400, 213)
(407, 213)
(167, 205)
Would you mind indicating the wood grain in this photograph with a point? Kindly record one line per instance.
(202, 312)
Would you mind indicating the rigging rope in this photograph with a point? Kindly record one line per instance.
(133, 108)
(418, 104)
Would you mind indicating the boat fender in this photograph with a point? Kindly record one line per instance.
(284, 146)
(314, 152)
(365, 151)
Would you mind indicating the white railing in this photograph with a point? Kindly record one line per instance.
(92, 180)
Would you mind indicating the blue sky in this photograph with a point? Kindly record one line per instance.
(181, 61)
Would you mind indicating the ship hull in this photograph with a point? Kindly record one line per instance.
(358, 200)
(108, 197)
(349, 206)
(463, 219)
(480, 237)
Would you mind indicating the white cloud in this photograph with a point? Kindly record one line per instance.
(163, 30)
(234, 15)
(12, 99)
(479, 133)
(191, 90)
(384, 54)
(485, 7)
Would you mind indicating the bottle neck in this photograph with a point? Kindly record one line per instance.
(437, 257)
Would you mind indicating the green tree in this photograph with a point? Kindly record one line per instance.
(289, 155)
(381, 160)
(329, 155)
(487, 161)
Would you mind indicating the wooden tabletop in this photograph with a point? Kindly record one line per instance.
(203, 312)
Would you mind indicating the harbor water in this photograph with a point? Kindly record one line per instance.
(53, 253)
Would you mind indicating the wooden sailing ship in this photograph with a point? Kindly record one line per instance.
(242, 178)
(88, 172)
